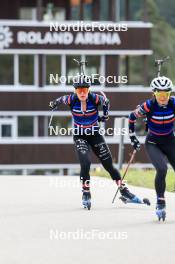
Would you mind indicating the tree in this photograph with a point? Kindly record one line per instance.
(167, 10)
(162, 42)
(162, 39)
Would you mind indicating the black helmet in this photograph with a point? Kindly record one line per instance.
(81, 81)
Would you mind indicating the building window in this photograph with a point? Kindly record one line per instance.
(28, 13)
(136, 70)
(93, 67)
(6, 70)
(60, 14)
(7, 126)
(25, 126)
(122, 65)
(26, 69)
(49, 15)
(6, 130)
(54, 13)
(60, 125)
(75, 9)
(53, 69)
(122, 10)
(104, 10)
(134, 8)
(132, 67)
(87, 10)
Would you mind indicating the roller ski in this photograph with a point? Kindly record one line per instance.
(86, 200)
(160, 210)
(128, 197)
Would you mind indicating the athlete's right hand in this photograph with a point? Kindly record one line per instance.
(135, 143)
(52, 104)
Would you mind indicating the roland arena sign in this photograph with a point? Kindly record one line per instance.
(37, 38)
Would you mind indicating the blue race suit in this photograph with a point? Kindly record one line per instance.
(85, 121)
(85, 142)
(160, 140)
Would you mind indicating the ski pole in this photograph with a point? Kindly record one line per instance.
(159, 63)
(81, 65)
(51, 118)
(129, 163)
(104, 95)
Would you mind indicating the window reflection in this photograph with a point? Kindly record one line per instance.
(87, 10)
(93, 68)
(104, 10)
(6, 130)
(61, 126)
(6, 69)
(53, 66)
(25, 126)
(26, 69)
(75, 9)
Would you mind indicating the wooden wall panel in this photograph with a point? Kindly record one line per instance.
(36, 101)
(54, 154)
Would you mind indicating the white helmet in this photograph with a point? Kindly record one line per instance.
(161, 83)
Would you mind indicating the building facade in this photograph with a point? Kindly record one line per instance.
(38, 42)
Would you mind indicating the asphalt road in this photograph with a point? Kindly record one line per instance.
(42, 222)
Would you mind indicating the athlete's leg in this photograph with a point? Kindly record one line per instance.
(101, 150)
(158, 160)
(83, 151)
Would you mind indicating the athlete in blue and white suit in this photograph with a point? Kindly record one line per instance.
(160, 140)
(84, 107)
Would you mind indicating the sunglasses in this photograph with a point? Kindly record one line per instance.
(163, 93)
(82, 90)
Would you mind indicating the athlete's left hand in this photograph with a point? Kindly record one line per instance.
(52, 104)
(103, 118)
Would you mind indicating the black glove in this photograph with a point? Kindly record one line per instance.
(106, 107)
(103, 118)
(135, 143)
(53, 104)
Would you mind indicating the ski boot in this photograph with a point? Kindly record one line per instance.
(128, 197)
(86, 200)
(160, 209)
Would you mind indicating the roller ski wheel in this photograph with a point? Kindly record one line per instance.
(135, 200)
(146, 201)
(161, 212)
(86, 200)
(123, 199)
